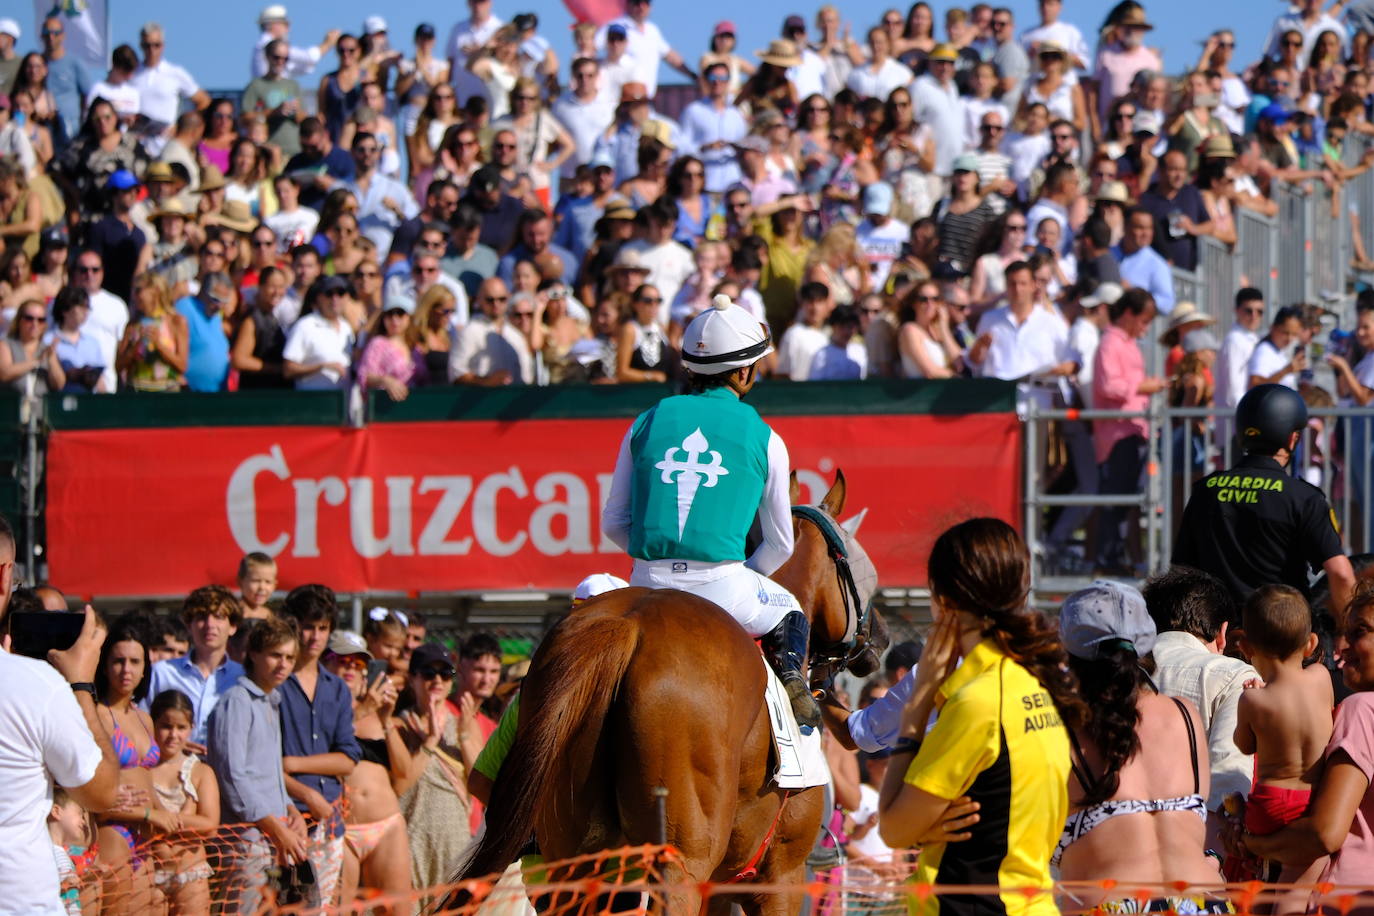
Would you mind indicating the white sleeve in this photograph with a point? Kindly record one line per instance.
(615, 517)
(775, 511)
(295, 349)
(69, 752)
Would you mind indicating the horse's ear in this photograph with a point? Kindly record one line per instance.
(834, 499)
(793, 489)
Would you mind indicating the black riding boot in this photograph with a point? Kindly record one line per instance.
(785, 648)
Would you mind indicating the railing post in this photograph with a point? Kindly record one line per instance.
(1031, 471)
(32, 428)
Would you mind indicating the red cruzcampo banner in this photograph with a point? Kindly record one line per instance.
(462, 506)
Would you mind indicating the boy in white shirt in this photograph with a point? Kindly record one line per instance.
(806, 337)
(844, 358)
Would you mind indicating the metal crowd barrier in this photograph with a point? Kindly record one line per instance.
(1336, 454)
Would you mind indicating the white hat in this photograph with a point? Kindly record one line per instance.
(11, 28)
(1105, 294)
(374, 24)
(274, 13)
(723, 338)
(598, 584)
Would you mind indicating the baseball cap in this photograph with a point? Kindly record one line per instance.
(752, 143)
(487, 178)
(431, 655)
(523, 21)
(122, 180)
(1276, 113)
(902, 655)
(11, 28)
(724, 27)
(333, 284)
(1105, 294)
(965, 162)
(946, 52)
(793, 24)
(878, 198)
(1145, 122)
(346, 642)
(374, 24)
(597, 584)
(274, 13)
(1104, 614)
(425, 31)
(602, 159)
(1200, 339)
(616, 31)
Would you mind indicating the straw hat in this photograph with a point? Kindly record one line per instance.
(1114, 192)
(211, 179)
(628, 259)
(234, 214)
(1184, 313)
(172, 206)
(1218, 146)
(654, 129)
(780, 52)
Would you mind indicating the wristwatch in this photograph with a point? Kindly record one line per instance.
(84, 687)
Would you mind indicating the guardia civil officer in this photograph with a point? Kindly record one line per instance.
(1255, 524)
(694, 473)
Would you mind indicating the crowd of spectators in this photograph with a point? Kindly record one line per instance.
(482, 213)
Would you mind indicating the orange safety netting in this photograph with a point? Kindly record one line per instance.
(218, 872)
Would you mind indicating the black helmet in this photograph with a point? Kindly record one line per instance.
(1267, 416)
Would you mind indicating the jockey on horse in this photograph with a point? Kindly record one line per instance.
(693, 473)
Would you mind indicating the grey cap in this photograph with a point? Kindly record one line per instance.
(346, 642)
(1103, 613)
(1200, 339)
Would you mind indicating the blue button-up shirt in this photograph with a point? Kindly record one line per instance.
(203, 692)
(375, 219)
(245, 753)
(1147, 270)
(323, 726)
(703, 124)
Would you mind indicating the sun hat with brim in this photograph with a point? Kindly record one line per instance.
(346, 642)
(1051, 49)
(654, 129)
(628, 259)
(1145, 122)
(1105, 294)
(235, 215)
(618, 209)
(1103, 616)
(172, 206)
(1113, 192)
(1134, 17)
(211, 179)
(1183, 313)
(944, 51)
(158, 171)
(633, 92)
(751, 144)
(274, 13)
(1218, 147)
(781, 52)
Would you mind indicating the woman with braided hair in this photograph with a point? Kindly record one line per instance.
(999, 738)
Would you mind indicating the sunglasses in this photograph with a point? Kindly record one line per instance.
(522, 314)
(1226, 44)
(446, 672)
(1125, 115)
(351, 662)
(649, 300)
(873, 311)
(527, 98)
(36, 319)
(1016, 227)
(367, 274)
(1255, 310)
(496, 298)
(1292, 44)
(151, 44)
(992, 128)
(503, 146)
(88, 269)
(263, 243)
(1062, 136)
(444, 313)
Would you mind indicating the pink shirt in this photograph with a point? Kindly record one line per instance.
(1354, 734)
(1118, 370)
(382, 359)
(1116, 67)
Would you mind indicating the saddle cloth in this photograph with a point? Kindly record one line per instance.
(801, 761)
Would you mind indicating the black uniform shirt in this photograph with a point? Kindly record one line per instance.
(1255, 524)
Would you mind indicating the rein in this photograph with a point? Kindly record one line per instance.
(858, 614)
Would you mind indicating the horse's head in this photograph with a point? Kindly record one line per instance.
(833, 578)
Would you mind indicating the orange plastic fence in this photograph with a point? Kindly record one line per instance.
(192, 873)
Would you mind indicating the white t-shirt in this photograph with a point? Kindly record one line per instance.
(314, 339)
(1232, 365)
(1268, 359)
(670, 264)
(124, 97)
(808, 77)
(840, 364)
(43, 739)
(882, 246)
(1084, 337)
(294, 227)
(106, 322)
(871, 843)
(161, 89)
(585, 122)
(798, 345)
(868, 84)
(644, 45)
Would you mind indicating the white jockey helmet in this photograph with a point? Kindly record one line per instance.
(723, 338)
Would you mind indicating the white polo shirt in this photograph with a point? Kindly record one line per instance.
(1023, 348)
(161, 89)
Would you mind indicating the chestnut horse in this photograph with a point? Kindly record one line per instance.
(641, 690)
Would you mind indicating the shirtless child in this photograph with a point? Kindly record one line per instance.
(1285, 724)
(257, 582)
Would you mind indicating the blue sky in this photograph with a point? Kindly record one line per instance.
(214, 40)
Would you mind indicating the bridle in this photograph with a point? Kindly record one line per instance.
(838, 656)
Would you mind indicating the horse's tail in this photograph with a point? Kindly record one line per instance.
(576, 673)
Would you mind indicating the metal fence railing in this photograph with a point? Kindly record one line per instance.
(1336, 454)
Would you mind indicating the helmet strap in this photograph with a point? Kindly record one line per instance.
(742, 380)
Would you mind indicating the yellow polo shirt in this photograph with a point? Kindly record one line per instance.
(999, 740)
